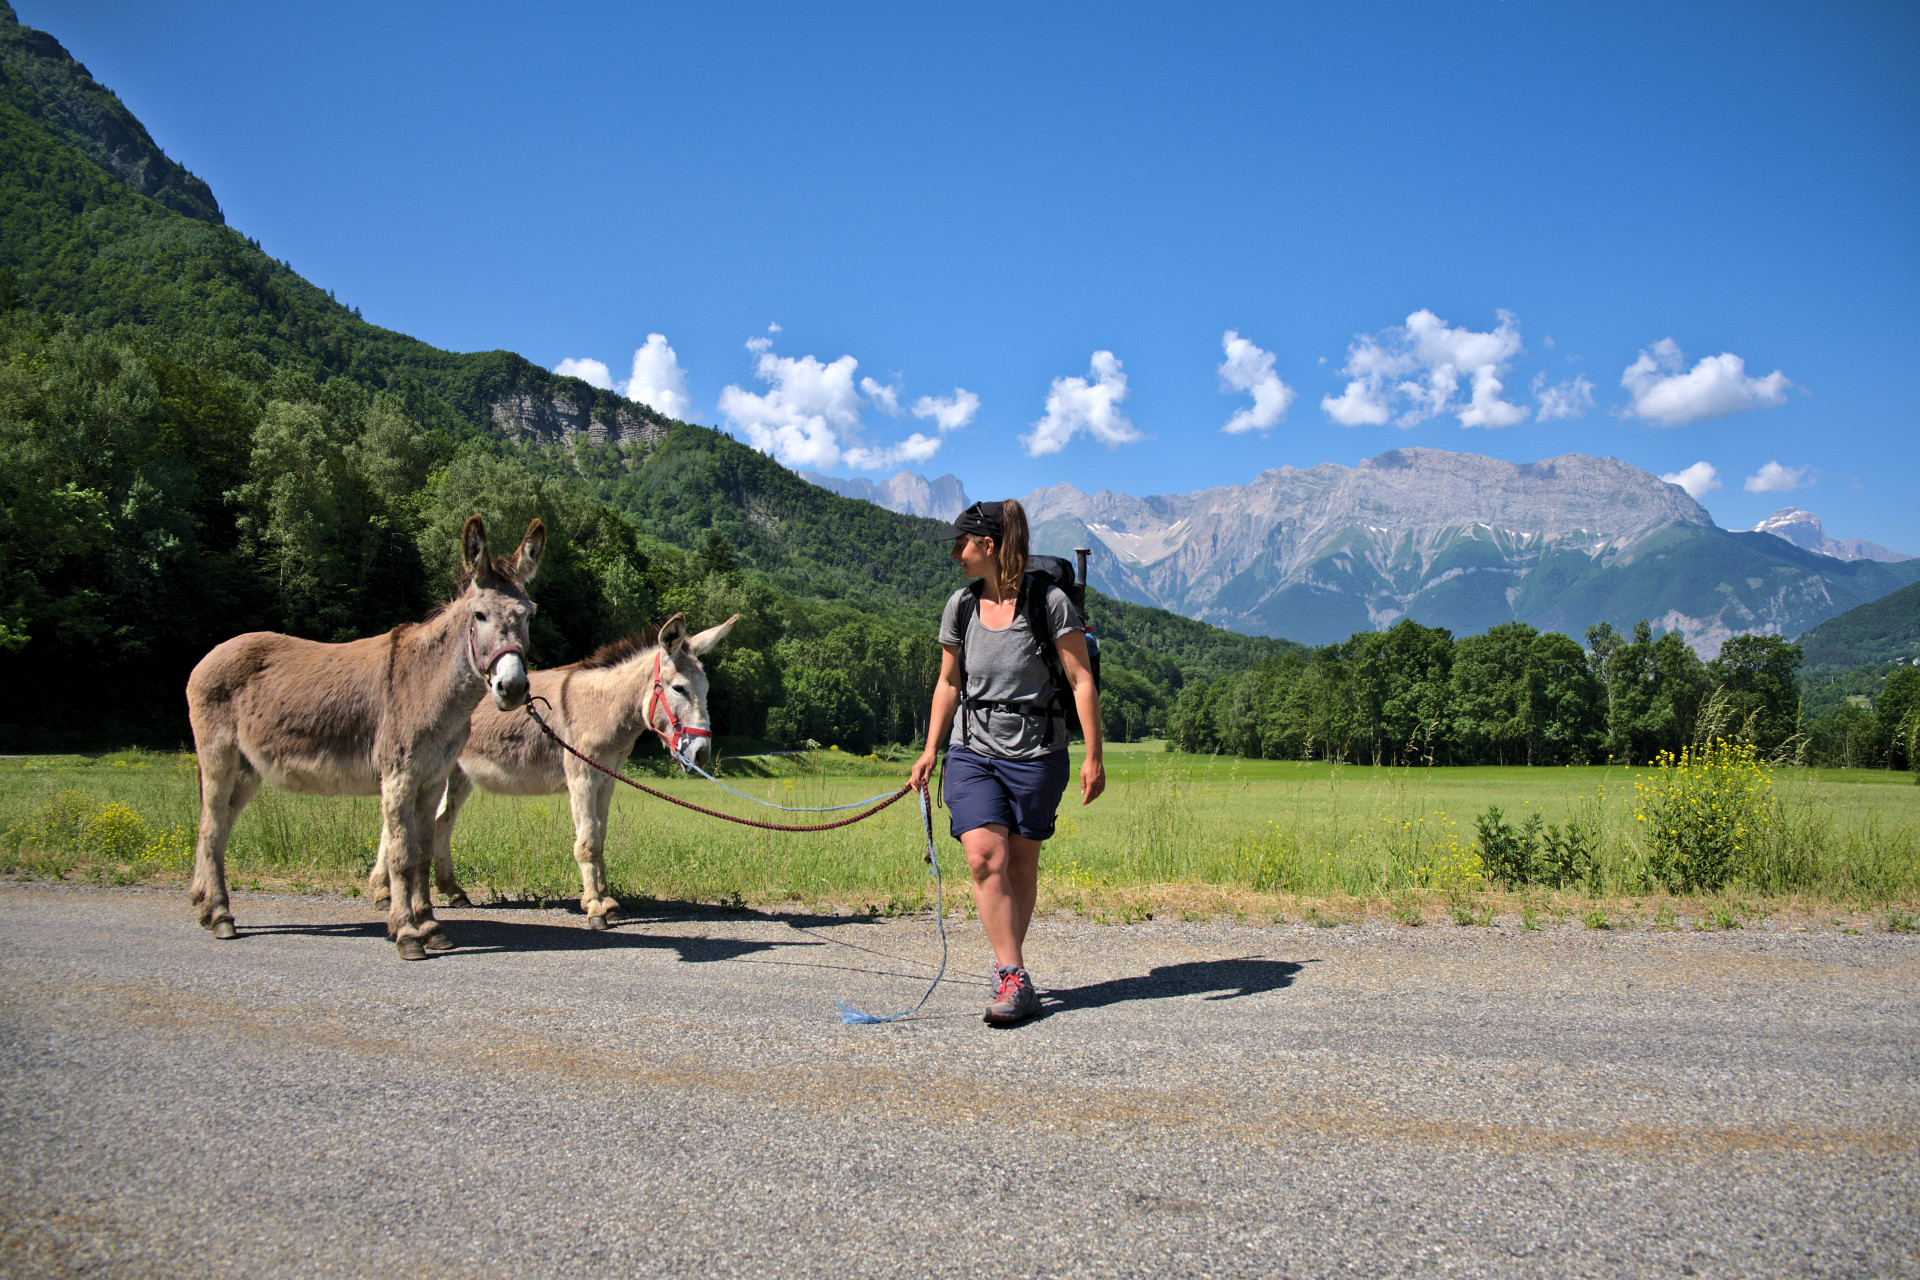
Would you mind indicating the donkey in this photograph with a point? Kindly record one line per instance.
(387, 715)
(601, 706)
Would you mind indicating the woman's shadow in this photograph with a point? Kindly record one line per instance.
(1221, 979)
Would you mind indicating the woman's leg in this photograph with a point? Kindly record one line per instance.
(1006, 883)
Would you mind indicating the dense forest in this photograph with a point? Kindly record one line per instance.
(195, 442)
(1513, 695)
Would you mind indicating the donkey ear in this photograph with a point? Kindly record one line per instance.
(673, 634)
(526, 561)
(474, 559)
(705, 640)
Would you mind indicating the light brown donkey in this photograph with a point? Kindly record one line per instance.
(383, 716)
(601, 706)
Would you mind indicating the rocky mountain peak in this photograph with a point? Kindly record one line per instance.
(1449, 539)
(941, 498)
(1804, 530)
(40, 77)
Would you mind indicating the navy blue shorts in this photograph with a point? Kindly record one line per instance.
(1020, 795)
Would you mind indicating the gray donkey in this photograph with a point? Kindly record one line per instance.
(387, 715)
(600, 706)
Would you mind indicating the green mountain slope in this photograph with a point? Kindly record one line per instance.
(43, 80)
(1879, 631)
(196, 441)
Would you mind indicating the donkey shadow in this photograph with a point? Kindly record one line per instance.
(1224, 979)
(493, 937)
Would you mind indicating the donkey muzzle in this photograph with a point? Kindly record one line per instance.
(508, 682)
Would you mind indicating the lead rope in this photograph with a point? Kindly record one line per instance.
(617, 776)
(853, 1016)
(848, 1013)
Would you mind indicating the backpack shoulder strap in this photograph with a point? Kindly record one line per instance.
(963, 622)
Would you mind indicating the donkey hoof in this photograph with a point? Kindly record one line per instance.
(437, 942)
(224, 929)
(410, 949)
(459, 899)
(596, 922)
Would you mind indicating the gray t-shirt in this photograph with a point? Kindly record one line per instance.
(1006, 666)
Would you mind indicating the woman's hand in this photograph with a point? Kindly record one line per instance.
(923, 769)
(1093, 779)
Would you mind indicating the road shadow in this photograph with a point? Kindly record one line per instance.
(1222, 979)
(640, 911)
(490, 937)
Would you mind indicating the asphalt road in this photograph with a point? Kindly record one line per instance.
(678, 1096)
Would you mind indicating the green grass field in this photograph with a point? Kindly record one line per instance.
(1175, 835)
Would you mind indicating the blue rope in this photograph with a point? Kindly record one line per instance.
(851, 1015)
(784, 808)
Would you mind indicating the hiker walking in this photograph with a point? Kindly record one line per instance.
(1016, 671)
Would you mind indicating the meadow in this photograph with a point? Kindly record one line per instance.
(1176, 835)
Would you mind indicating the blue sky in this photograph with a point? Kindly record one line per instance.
(1393, 206)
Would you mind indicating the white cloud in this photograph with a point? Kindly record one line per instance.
(773, 326)
(657, 380)
(1569, 399)
(589, 371)
(1716, 386)
(915, 448)
(1420, 366)
(1075, 405)
(885, 397)
(949, 413)
(802, 418)
(810, 414)
(1248, 368)
(1774, 478)
(1699, 479)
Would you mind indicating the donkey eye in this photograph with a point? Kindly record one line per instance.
(682, 691)
(479, 615)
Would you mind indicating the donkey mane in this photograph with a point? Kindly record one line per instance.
(615, 652)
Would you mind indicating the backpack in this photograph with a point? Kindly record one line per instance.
(1042, 572)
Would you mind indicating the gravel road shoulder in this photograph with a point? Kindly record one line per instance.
(679, 1096)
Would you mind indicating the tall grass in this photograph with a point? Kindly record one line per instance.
(1173, 832)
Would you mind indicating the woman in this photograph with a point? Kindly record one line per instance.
(1007, 755)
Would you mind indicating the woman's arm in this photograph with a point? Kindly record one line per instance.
(946, 696)
(1072, 646)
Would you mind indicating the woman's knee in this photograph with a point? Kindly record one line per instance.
(988, 850)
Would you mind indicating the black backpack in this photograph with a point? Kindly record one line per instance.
(1042, 572)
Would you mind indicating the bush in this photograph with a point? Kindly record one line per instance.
(1570, 856)
(78, 826)
(1706, 814)
(1508, 853)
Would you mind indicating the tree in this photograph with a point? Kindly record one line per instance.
(1754, 673)
(1896, 713)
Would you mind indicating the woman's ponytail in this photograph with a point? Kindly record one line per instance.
(1011, 553)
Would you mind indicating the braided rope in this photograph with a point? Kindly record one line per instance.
(688, 804)
(852, 1014)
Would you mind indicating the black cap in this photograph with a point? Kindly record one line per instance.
(981, 520)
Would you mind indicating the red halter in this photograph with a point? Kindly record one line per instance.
(473, 652)
(658, 696)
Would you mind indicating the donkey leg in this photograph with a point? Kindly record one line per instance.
(407, 844)
(378, 891)
(227, 782)
(590, 801)
(432, 936)
(459, 787)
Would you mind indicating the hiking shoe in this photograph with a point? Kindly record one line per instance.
(1015, 1000)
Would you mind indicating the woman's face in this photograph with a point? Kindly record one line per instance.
(975, 555)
